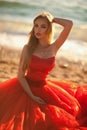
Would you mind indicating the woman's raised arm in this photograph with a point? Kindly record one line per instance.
(67, 25)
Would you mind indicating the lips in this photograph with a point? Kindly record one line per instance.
(38, 34)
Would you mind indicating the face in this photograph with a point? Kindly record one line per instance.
(40, 28)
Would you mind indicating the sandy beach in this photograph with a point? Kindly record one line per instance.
(66, 69)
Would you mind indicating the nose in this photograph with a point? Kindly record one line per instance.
(39, 29)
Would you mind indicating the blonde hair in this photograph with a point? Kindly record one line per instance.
(33, 41)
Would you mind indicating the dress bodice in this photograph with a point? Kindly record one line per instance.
(39, 68)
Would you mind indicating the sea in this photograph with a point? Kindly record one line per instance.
(16, 18)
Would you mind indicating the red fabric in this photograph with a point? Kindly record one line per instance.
(63, 110)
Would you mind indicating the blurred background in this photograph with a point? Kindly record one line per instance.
(16, 18)
(25, 10)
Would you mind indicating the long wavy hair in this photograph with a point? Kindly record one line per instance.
(33, 41)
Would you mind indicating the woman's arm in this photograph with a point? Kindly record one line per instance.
(67, 25)
(21, 72)
(21, 77)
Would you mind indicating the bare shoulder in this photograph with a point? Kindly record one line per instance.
(25, 49)
(24, 52)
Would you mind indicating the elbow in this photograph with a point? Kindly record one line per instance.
(70, 23)
(21, 79)
(20, 76)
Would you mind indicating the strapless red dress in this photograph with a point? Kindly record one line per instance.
(65, 108)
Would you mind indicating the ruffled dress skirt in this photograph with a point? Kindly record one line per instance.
(65, 108)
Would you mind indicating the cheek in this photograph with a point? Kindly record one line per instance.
(45, 31)
(35, 29)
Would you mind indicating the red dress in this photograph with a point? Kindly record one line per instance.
(65, 108)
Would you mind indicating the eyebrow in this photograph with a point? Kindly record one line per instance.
(44, 25)
(41, 24)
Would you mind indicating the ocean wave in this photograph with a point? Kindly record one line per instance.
(12, 4)
(27, 9)
(74, 50)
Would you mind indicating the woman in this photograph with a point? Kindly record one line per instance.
(31, 101)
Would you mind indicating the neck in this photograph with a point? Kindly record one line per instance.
(43, 43)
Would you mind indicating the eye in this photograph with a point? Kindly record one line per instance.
(44, 26)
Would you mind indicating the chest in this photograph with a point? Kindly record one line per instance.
(44, 52)
(40, 64)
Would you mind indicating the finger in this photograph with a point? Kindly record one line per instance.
(42, 101)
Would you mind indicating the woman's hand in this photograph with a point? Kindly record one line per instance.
(53, 20)
(38, 100)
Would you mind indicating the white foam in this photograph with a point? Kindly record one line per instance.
(74, 50)
(13, 41)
